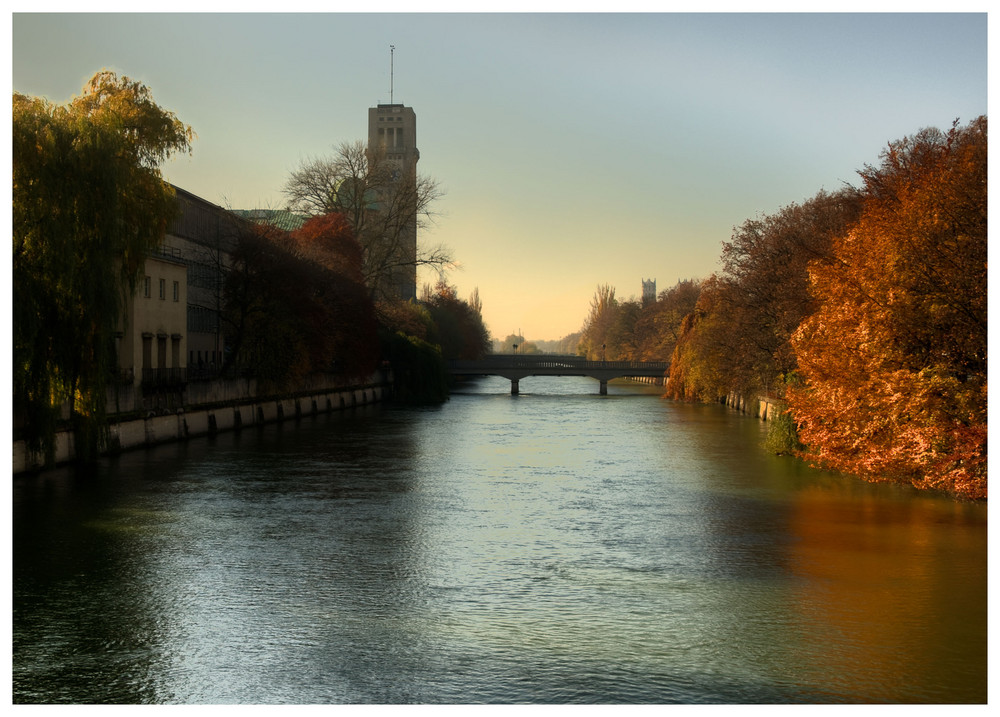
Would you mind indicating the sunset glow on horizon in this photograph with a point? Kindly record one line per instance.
(574, 150)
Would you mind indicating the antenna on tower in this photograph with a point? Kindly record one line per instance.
(392, 49)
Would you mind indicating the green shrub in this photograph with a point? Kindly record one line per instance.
(782, 435)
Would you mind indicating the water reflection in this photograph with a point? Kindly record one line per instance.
(893, 586)
(553, 547)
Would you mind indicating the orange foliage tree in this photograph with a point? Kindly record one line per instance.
(893, 362)
(702, 343)
(329, 241)
(738, 338)
(658, 326)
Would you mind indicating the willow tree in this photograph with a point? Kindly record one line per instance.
(89, 204)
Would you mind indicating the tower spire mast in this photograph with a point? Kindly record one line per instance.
(392, 50)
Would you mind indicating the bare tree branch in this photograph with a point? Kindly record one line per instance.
(385, 206)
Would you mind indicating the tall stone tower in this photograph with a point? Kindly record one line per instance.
(648, 292)
(392, 138)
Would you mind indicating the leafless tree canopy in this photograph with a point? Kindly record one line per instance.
(384, 205)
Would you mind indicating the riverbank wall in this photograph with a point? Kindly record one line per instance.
(209, 416)
(651, 380)
(763, 407)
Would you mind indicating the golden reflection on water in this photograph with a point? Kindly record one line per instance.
(879, 581)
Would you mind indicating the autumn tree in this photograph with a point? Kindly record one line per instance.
(702, 353)
(384, 207)
(458, 325)
(328, 240)
(740, 336)
(625, 337)
(406, 329)
(658, 326)
(893, 361)
(350, 320)
(410, 318)
(599, 326)
(295, 304)
(89, 204)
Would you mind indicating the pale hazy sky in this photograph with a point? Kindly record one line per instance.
(574, 150)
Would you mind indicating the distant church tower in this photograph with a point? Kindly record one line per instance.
(648, 292)
(392, 135)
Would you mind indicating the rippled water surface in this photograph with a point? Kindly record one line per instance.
(552, 547)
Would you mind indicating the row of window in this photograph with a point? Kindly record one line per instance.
(161, 351)
(204, 276)
(201, 320)
(390, 137)
(147, 289)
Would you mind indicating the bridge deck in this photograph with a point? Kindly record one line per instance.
(515, 367)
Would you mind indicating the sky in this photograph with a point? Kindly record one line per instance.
(574, 150)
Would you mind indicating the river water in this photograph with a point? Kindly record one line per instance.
(552, 547)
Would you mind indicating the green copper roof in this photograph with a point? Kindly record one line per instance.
(280, 218)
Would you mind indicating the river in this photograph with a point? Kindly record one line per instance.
(555, 547)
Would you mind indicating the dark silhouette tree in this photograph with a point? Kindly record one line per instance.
(458, 324)
(295, 305)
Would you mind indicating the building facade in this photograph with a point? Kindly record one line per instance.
(203, 238)
(172, 331)
(392, 138)
(152, 346)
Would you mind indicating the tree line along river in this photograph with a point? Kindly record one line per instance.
(552, 547)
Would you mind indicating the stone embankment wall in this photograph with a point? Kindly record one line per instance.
(651, 380)
(763, 407)
(207, 419)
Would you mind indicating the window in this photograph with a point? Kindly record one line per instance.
(177, 291)
(163, 288)
(146, 286)
(147, 351)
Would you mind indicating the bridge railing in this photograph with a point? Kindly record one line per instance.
(545, 361)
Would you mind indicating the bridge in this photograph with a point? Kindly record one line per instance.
(514, 367)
